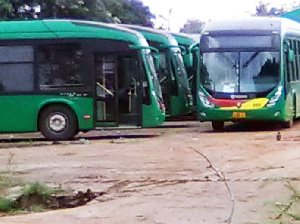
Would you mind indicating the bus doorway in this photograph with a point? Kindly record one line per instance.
(117, 91)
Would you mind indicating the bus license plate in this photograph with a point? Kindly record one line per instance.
(238, 114)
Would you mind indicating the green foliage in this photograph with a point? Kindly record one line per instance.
(6, 176)
(194, 26)
(5, 205)
(5, 8)
(134, 12)
(262, 9)
(112, 11)
(37, 188)
(8, 181)
(63, 8)
(36, 208)
(288, 211)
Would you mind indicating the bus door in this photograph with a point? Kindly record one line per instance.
(106, 68)
(164, 79)
(117, 86)
(129, 92)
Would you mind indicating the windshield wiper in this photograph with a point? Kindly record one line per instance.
(235, 65)
(251, 59)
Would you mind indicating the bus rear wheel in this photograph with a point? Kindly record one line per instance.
(217, 125)
(58, 123)
(287, 124)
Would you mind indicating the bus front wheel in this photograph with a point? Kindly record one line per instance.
(287, 124)
(217, 125)
(58, 123)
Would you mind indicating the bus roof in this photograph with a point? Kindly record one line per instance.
(163, 37)
(293, 15)
(60, 28)
(252, 23)
(184, 39)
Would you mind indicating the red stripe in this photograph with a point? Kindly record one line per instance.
(225, 102)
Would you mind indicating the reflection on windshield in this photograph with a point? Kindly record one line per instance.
(163, 70)
(150, 64)
(240, 72)
(181, 72)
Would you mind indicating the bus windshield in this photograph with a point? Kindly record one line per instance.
(181, 72)
(240, 72)
(153, 74)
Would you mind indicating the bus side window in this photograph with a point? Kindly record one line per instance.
(16, 66)
(297, 55)
(60, 66)
(289, 65)
(293, 63)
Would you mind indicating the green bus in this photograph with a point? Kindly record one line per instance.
(171, 71)
(249, 71)
(65, 76)
(190, 56)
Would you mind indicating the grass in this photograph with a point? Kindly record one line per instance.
(36, 208)
(6, 176)
(30, 190)
(5, 205)
(38, 189)
(287, 212)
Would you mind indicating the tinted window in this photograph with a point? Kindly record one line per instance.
(219, 42)
(60, 66)
(16, 68)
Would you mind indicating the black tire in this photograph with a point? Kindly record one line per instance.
(58, 122)
(217, 125)
(287, 124)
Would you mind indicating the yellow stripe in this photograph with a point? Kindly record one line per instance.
(249, 105)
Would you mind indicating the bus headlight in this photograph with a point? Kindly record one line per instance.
(204, 100)
(275, 97)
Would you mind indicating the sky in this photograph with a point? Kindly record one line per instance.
(177, 12)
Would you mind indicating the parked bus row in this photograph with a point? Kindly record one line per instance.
(61, 77)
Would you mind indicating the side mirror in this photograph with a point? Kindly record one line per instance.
(155, 56)
(188, 59)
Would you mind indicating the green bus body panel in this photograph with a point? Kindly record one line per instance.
(179, 104)
(183, 40)
(293, 15)
(65, 29)
(284, 106)
(151, 34)
(186, 41)
(152, 116)
(20, 113)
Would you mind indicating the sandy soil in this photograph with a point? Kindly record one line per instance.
(180, 173)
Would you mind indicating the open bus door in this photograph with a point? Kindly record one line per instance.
(118, 101)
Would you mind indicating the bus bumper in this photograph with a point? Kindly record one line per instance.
(266, 114)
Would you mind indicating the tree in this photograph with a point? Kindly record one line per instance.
(194, 26)
(134, 12)
(262, 10)
(63, 8)
(113, 11)
(99, 10)
(5, 8)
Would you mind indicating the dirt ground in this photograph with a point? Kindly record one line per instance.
(182, 172)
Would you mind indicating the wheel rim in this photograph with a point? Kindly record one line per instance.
(57, 122)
